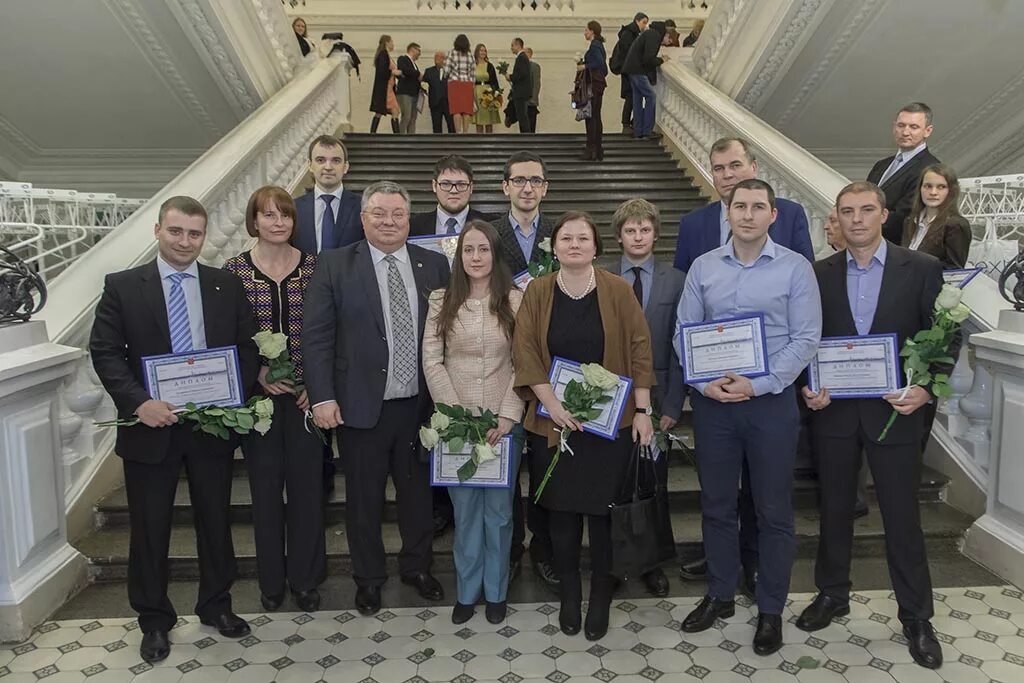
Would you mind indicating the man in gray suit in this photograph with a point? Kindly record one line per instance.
(658, 286)
(534, 102)
(365, 310)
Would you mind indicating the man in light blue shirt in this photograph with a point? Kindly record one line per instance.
(755, 421)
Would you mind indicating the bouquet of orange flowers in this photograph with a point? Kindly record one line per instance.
(491, 98)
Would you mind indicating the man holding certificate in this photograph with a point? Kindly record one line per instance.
(171, 311)
(871, 292)
(750, 321)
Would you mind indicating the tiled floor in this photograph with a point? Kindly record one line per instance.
(982, 631)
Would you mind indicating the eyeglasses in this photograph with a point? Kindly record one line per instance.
(397, 215)
(448, 186)
(520, 181)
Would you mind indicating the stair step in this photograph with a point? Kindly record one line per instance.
(107, 548)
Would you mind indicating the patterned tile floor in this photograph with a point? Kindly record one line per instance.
(982, 630)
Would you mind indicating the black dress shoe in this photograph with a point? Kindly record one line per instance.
(307, 601)
(426, 585)
(656, 583)
(368, 600)
(496, 611)
(924, 646)
(546, 573)
(707, 612)
(570, 614)
(229, 625)
(820, 613)
(695, 570)
(462, 613)
(155, 646)
(768, 636)
(271, 603)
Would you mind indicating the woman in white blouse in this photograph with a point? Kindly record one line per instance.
(467, 360)
(935, 225)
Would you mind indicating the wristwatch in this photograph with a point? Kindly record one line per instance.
(648, 411)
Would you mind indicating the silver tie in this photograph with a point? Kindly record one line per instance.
(403, 361)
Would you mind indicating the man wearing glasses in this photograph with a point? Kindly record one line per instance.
(453, 187)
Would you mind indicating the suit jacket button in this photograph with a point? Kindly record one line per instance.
(383, 369)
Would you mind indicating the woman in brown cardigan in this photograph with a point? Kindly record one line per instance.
(586, 315)
(935, 225)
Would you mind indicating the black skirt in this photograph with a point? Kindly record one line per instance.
(381, 75)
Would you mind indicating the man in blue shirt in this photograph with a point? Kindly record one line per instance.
(753, 421)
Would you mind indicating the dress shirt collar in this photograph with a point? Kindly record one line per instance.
(907, 156)
(647, 266)
(337, 193)
(443, 216)
(402, 254)
(519, 228)
(166, 269)
(767, 250)
(879, 256)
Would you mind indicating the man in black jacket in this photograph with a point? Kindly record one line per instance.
(437, 95)
(641, 66)
(627, 34)
(522, 86)
(408, 88)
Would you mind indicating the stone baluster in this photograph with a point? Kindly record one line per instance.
(70, 425)
(977, 406)
(960, 381)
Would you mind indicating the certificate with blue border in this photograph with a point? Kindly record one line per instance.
(440, 244)
(607, 423)
(856, 367)
(959, 277)
(711, 349)
(211, 377)
(497, 473)
(522, 280)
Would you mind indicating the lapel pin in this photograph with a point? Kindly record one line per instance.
(419, 265)
(217, 287)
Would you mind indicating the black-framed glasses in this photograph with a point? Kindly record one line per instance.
(458, 186)
(520, 181)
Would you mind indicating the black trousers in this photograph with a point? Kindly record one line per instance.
(389, 448)
(567, 541)
(522, 110)
(151, 489)
(595, 127)
(529, 514)
(627, 103)
(533, 111)
(290, 541)
(896, 469)
(439, 115)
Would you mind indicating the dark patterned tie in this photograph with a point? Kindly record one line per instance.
(638, 285)
(403, 362)
(452, 223)
(327, 224)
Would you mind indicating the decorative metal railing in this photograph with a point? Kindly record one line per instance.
(994, 200)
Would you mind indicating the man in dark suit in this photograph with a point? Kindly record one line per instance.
(898, 175)
(408, 88)
(641, 66)
(700, 231)
(364, 315)
(533, 104)
(873, 287)
(658, 286)
(453, 187)
(173, 305)
(327, 215)
(522, 86)
(627, 34)
(437, 94)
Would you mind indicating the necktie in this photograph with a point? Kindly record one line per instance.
(893, 167)
(638, 285)
(177, 315)
(327, 224)
(403, 360)
(452, 223)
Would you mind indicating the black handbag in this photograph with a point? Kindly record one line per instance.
(641, 526)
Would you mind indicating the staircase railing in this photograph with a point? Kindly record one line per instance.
(268, 147)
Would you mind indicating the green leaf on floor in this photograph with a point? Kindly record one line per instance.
(808, 663)
(429, 652)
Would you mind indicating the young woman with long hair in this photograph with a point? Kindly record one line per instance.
(486, 78)
(383, 101)
(935, 225)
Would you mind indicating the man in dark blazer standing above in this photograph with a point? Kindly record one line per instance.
(408, 88)
(453, 187)
(522, 86)
(898, 175)
(524, 228)
(365, 311)
(173, 305)
(873, 287)
(328, 215)
(437, 94)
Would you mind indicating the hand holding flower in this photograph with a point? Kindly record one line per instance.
(274, 388)
(153, 413)
(302, 402)
(916, 396)
(504, 427)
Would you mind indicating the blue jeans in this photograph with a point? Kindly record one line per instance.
(483, 535)
(644, 102)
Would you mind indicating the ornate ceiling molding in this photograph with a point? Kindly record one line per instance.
(980, 119)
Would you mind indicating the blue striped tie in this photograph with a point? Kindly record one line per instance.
(177, 315)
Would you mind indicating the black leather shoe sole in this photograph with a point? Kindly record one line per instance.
(810, 626)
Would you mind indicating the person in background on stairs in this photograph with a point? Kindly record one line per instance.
(453, 186)
(306, 44)
(739, 420)
(586, 315)
(467, 361)
(290, 545)
(641, 65)
(382, 99)
(628, 33)
(364, 316)
(874, 287)
(596, 71)
(636, 224)
(533, 104)
(460, 70)
(408, 89)
(732, 161)
(521, 83)
(437, 94)
(173, 305)
(487, 113)
(523, 231)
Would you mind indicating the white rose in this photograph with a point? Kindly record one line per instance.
(270, 344)
(439, 422)
(429, 437)
(264, 409)
(262, 426)
(545, 245)
(597, 376)
(949, 297)
(483, 452)
(960, 313)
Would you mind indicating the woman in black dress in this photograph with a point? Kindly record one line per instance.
(383, 71)
(587, 315)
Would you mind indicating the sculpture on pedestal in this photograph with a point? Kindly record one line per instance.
(1015, 269)
(18, 286)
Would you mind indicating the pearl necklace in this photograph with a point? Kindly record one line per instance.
(586, 290)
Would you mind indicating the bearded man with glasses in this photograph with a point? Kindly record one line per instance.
(453, 186)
